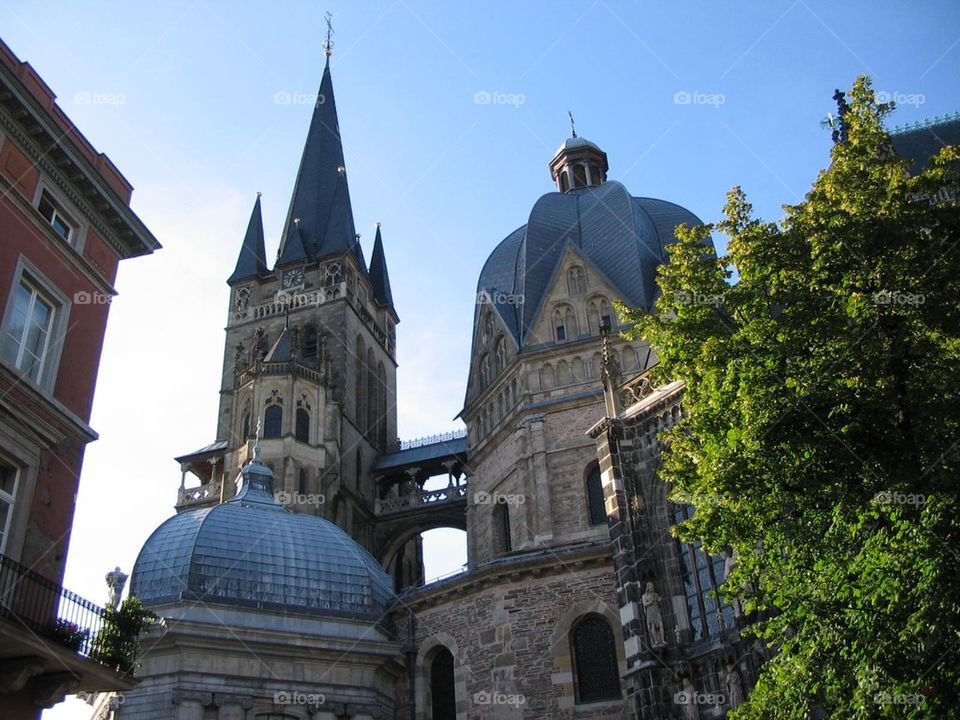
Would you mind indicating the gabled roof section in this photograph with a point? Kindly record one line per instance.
(252, 261)
(321, 198)
(379, 277)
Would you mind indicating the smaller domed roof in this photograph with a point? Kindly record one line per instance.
(572, 143)
(252, 552)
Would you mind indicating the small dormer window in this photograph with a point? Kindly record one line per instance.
(62, 225)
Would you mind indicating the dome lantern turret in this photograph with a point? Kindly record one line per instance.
(578, 163)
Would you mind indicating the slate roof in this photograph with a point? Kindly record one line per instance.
(623, 237)
(922, 141)
(251, 552)
(321, 196)
(282, 349)
(379, 277)
(252, 261)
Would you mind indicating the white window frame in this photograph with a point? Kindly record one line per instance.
(66, 210)
(11, 500)
(53, 347)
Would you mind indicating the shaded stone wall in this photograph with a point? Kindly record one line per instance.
(509, 635)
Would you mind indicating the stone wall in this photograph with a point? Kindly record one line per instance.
(508, 629)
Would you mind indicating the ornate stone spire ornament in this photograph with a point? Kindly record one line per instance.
(609, 375)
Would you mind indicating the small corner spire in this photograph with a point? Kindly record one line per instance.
(256, 443)
(328, 43)
(573, 125)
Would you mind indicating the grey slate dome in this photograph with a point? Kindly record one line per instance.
(624, 238)
(251, 552)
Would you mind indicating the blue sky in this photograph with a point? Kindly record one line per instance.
(183, 96)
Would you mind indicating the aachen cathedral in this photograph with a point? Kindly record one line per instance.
(576, 601)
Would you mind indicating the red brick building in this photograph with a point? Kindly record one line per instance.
(65, 223)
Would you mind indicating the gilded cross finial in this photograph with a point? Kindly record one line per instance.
(573, 125)
(328, 43)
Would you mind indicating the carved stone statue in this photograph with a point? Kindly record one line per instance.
(734, 685)
(115, 582)
(688, 697)
(651, 610)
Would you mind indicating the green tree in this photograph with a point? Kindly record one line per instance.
(117, 644)
(820, 359)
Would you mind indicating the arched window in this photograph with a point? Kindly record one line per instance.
(245, 426)
(596, 675)
(559, 326)
(485, 374)
(576, 282)
(272, 421)
(500, 354)
(487, 328)
(360, 380)
(630, 361)
(593, 317)
(302, 430)
(607, 318)
(443, 694)
(547, 377)
(564, 181)
(595, 509)
(563, 373)
(578, 370)
(302, 481)
(594, 175)
(570, 320)
(501, 528)
(579, 176)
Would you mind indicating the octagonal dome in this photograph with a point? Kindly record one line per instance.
(252, 552)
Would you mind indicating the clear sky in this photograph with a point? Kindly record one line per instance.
(449, 114)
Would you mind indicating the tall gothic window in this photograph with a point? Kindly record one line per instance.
(702, 577)
(594, 649)
(272, 421)
(381, 406)
(302, 481)
(302, 431)
(597, 512)
(576, 281)
(371, 394)
(359, 380)
(310, 342)
(501, 527)
(443, 695)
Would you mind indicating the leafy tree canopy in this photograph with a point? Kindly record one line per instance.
(823, 390)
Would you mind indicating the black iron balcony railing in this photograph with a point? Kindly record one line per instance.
(56, 615)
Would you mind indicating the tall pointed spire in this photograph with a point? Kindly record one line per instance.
(379, 277)
(252, 261)
(321, 198)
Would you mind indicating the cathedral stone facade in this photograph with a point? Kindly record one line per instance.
(293, 569)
